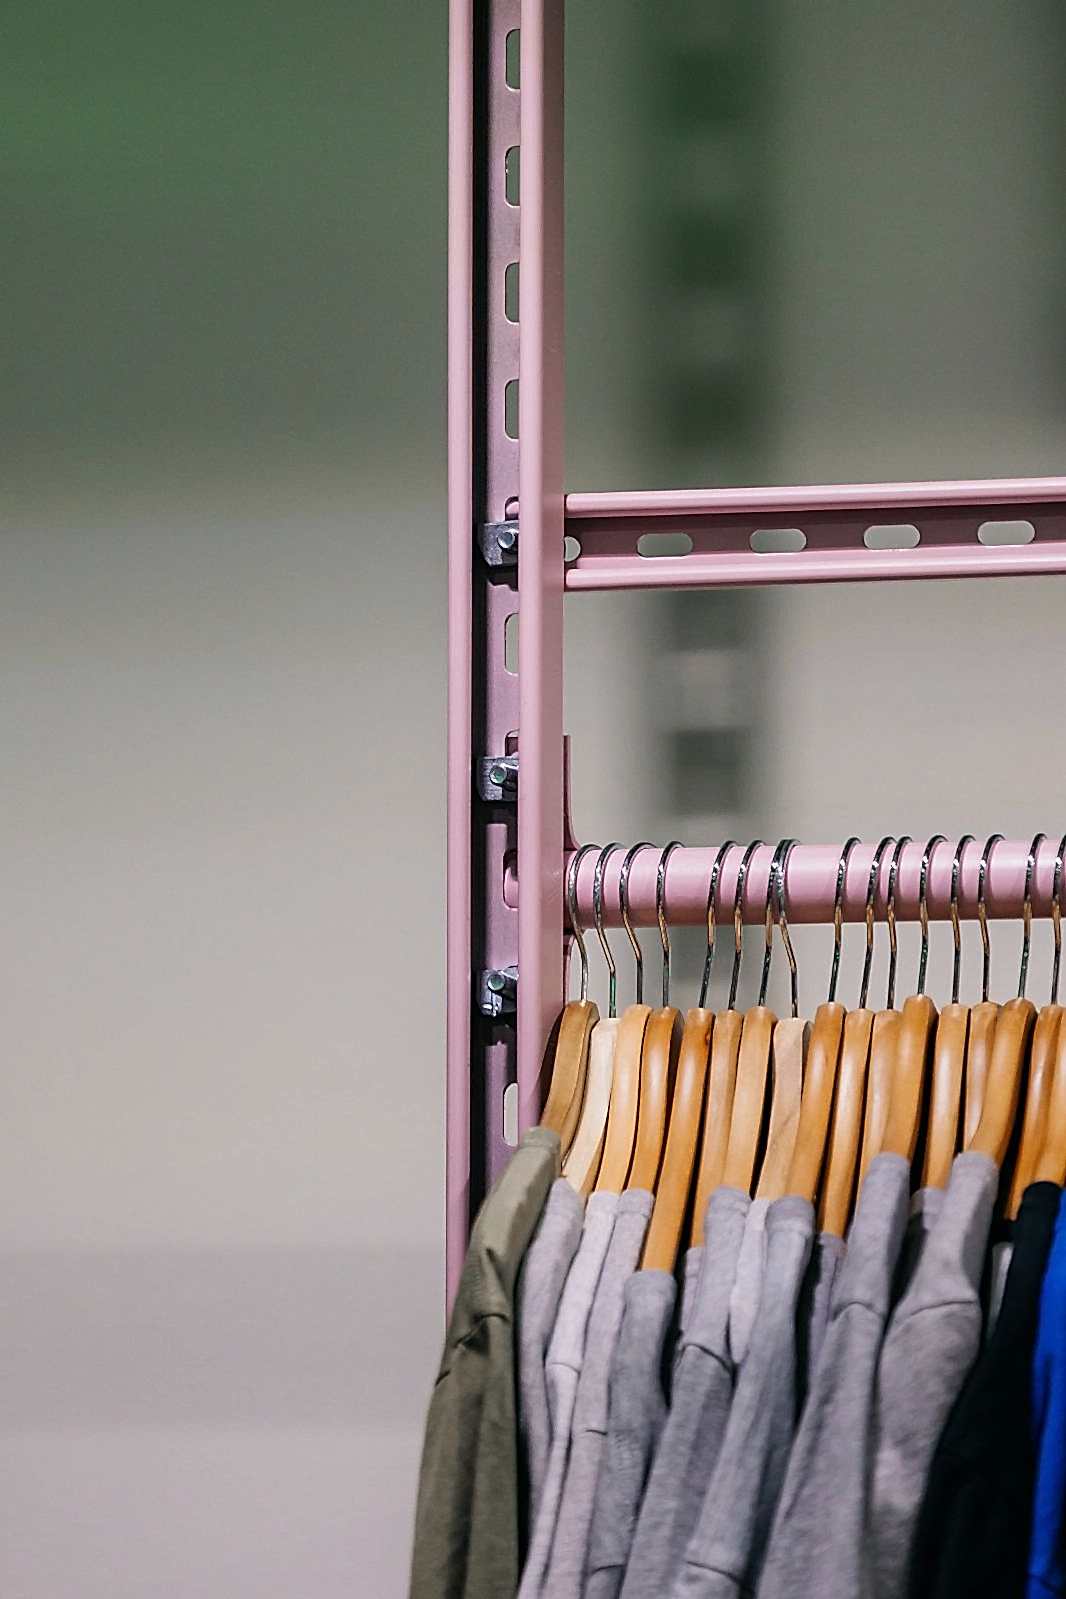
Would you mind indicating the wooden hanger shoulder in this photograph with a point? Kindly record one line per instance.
(1010, 1046)
(1051, 1165)
(978, 1055)
(662, 1042)
(845, 1132)
(823, 1054)
(883, 1038)
(682, 1141)
(1042, 1054)
(749, 1099)
(945, 1095)
(566, 1088)
(718, 1112)
(582, 1162)
(907, 1099)
(788, 1056)
(621, 1135)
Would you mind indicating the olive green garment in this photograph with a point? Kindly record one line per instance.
(466, 1523)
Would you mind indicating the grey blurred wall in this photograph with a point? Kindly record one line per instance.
(221, 637)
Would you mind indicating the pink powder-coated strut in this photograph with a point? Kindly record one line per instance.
(490, 472)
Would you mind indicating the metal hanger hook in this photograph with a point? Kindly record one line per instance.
(838, 916)
(708, 960)
(738, 921)
(923, 907)
(597, 908)
(890, 914)
(956, 931)
(575, 921)
(660, 914)
(871, 895)
(623, 905)
(982, 912)
(768, 922)
(1056, 919)
(778, 874)
(1027, 913)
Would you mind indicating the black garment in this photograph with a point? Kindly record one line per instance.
(973, 1530)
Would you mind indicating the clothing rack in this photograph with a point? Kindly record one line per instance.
(517, 544)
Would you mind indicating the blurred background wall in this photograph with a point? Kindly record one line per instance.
(807, 242)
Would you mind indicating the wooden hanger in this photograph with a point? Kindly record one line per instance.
(823, 1054)
(658, 1065)
(1043, 1052)
(788, 1057)
(717, 1114)
(1051, 1166)
(582, 1162)
(569, 1065)
(845, 1132)
(1002, 1091)
(884, 1036)
(845, 1135)
(983, 1017)
(945, 1094)
(682, 1139)
(621, 1135)
(907, 1098)
(749, 1098)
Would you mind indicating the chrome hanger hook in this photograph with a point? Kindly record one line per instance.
(660, 914)
(838, 916)
(597, 909)
(1027, 913)
(890, 913)
(708, 960)
(786, 937)
(738, 921)
(575, 921)
(768, 922)
(623, 905)
(923, 907)
(956, 931)
(982, 913)
(871, 895)
(1056, 919)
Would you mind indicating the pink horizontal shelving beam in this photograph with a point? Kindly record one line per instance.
(943, 521)
(811, 880)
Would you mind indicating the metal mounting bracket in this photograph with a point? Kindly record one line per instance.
(499, 543)
(497, 778)
(497, 991)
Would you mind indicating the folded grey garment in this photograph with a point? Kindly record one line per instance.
(540, 1287)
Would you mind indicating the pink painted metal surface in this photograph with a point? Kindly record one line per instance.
(460, 626)
(540, 547)
(810, 883)
(945, 519)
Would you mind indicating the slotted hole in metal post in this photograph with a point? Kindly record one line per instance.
(1006, 533)
(510, 644)
(512, 176)
(510, 291)
(654, 545)
(510, 409)
(892, 536)
(778, 540)
(571, 548)
(512, 68)
(510, 1115)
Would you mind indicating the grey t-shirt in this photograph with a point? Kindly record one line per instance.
(932, 1341)
(540, 1287)
(816, 1541)
(812, 1317)
(725, 1552)
(565, 1577)
(926, 1206)
(635, 1417)
(690, 1281)
(562, 1369)
(747, 1285)
(702, 1390)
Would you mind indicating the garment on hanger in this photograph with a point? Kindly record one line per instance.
(562, 1368)
(972, 1533)
(1047, 1543)
(747, 1286)
(466, 1543)
(816, 1543)
(690, 1281)
(636, 1413)
(702, 1391)
(565, 1576)
(540, 1286)
(926, 1205)
(724, 1554)
(812, 1316)
(932, 1341)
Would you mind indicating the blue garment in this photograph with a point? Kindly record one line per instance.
(1047, 1548)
